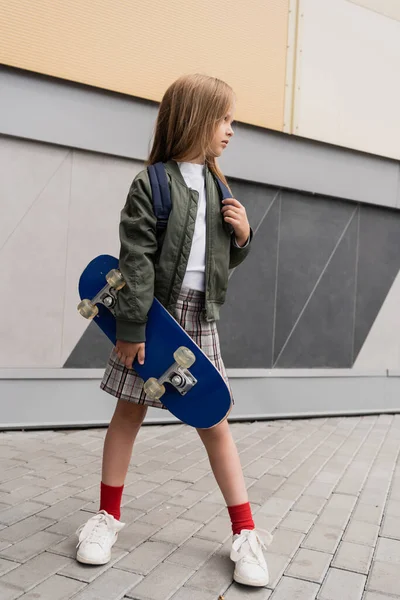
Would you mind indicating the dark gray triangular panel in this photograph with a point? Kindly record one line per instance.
(323, 337)
(310, 228)
(246, 326)
(255, 197)
(92, 350)
(378, 266)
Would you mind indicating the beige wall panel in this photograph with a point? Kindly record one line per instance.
(390, 8)
(347, 77)
(139, 47)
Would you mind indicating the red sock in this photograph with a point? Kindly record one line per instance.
(110, 499)
(241, 517)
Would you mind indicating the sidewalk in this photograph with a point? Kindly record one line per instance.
(328, 489)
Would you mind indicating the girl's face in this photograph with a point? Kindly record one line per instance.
(223, 134)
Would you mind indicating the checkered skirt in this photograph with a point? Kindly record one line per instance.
(125, 384)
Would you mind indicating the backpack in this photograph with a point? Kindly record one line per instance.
(162, 196)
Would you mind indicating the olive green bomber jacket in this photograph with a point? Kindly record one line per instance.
(155, 265)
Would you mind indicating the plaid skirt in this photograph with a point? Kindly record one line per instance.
(125, 384)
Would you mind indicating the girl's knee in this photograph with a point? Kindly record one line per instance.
(216, 431)
(130, 412)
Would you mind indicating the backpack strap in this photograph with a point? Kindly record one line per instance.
(223, 189)
(160, 193)
(162, 196)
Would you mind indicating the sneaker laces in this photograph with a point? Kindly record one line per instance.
(96, 529)
(253, 540)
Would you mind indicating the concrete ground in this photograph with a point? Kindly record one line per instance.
(328, 489)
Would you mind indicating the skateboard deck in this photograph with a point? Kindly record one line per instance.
(195, 391)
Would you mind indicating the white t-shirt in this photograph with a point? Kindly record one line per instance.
(194, 177)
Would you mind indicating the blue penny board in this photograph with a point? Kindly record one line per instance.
(209, 401)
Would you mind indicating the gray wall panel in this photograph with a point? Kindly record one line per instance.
(28, 401)
(378, 265)
(323, 336)
(310, 228)
(60, 112)
(247, 319)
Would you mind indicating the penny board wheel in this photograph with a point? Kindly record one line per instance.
(184, 357)
(153, 389)
(115, 279)
(87, 309)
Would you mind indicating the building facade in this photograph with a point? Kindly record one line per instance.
(311, 324)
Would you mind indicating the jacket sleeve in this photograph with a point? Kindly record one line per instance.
(237, 253)
(138, 239)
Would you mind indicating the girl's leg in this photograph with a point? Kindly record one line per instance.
(99, 534)
(226, 466)
(225, 462)
(122, 431)
(121, 434)
(247, 548)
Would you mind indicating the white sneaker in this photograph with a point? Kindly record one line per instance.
(96, 538)
(247, 552)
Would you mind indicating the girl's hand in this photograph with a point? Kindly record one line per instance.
(127, 351)
(235, 214)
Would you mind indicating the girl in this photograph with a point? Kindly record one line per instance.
(186, 268)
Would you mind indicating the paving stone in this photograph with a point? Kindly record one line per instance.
(112, 585)
(162, 582)
(323, 538)
(276, 506)
(353, 557)
(135, 534)
(202, 512)
(145, 557)
(310, 565)
(298, 521)
(162, 515)
(187, 498)
(192, 475)
(290, 491)
(369, 513)
(140, 488)
(193, 553)
(214, 576)
(34, 571)
(217, 530)
(31, 546)
(175, 488)
(295, 589)
(388, 551)
(310, 504)
(384, 578)
(361, 533)
(68, 524)
(187, 592)
(54, 496)
(147, 501)
(177, 532)
(390, 528)
(55, 588)
(18, 513)
(89, 573)
(343, 585)
(240, 592)
(334, 517)
(67, 547)
(9, 592)
(285, 542)
(25, 528)
(7, 565)
(276, 567)
(374, 596)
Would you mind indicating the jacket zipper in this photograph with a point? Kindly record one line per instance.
(180, 249)
(206, 275)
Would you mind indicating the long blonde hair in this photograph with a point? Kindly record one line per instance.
(187, 118)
